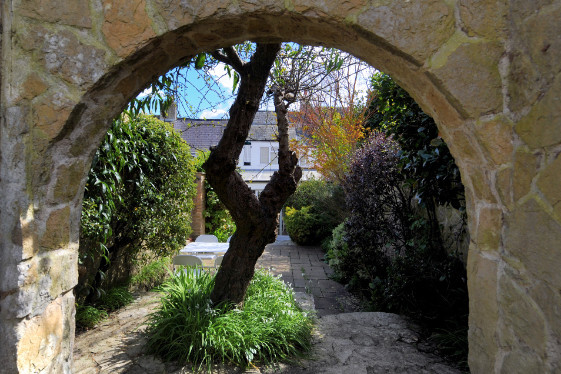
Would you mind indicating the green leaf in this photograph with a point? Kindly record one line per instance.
(200, 61)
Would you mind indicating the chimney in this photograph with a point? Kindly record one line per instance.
(171, 114)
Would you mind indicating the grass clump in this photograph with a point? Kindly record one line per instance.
(114, 299)
(88, 316)
(186, 328)
(152, 274)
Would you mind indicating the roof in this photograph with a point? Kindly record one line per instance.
(203, 134)
(200, 134)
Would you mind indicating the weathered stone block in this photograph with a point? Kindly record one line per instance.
(484, 311)
(487, 19)
(496, 137)
(69, 179)
(542, 126)
(57, 231)
(539, 33)
(417, 28)
(489, 229)
(522, 318)
(471, 72)
(525, 168)
(533, 237)
(127, 25)
(503, 182)
(67, 12)
(43, 346)
(33, 86)
(480, 179)
(549, 183)
(522, 361)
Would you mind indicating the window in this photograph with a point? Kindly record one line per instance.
(264, 155)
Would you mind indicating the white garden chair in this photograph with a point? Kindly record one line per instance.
(187, 261)
(218, 261)
(206, 239)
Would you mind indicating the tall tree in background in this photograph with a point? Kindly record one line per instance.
(332, 124)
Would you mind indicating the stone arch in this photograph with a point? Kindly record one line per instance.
(487, 71)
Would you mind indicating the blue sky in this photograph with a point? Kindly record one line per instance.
(212, 101)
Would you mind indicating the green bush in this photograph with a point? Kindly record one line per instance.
(152, 274)
(137, 200)
(337, 249)
(186, 328)
(303, 227)
(218, 220)
(88, 316)
(115, 298)
(313, 211)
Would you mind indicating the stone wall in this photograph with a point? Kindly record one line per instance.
(487, 71)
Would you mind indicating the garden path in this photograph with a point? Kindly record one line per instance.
(345, 341)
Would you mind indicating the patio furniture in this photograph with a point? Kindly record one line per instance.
(205, 249)
(218, 261)
(206, 239)
(188, 261)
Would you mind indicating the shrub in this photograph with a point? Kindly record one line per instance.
(137, 200)
(115, 298)
(152, 274)
(218, 220)
(337, 249)
(385, 250)
(424, 157)
(304, 227)
(316, 208)
(88, 316)
(187, 328)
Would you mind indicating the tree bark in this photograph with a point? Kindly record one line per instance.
(256, 219)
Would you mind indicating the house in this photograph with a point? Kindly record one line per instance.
(259, 158)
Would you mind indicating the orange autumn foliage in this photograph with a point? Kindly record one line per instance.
(329, 137)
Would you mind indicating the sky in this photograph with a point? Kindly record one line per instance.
(213, 101)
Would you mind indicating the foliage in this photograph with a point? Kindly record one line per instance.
(185, 327)
(424, 157)
(88, 316)
(139, 193)
(380, 206)
(385, 249)
(302, 226)
(314, 210)
(115, 298)
(218, 220)
(152, 274)
(336, 248)
(331, 124)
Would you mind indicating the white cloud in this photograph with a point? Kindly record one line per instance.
(214, 113)
(221, 76)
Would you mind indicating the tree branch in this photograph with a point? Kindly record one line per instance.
(230, 58)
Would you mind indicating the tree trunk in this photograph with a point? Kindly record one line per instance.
(256, 219)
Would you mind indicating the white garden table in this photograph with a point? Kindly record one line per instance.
(205, 249)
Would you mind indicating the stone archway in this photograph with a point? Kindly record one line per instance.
(487, 71)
